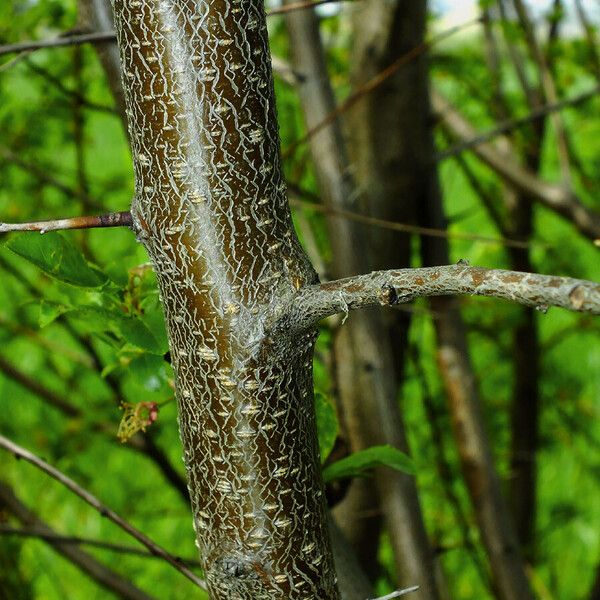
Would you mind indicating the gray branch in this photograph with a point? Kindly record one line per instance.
(389, 288)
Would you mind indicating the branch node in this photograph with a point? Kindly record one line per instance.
(389, 295)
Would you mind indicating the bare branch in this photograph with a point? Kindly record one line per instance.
(43, 175)
(511, 124)
(548, 87)
(301, 6)
(389, 288)
(556, 197)
(377, 81)
(119, 219)
(33, 385)
(104, 576)
(154, 548)
(398, 593)
(408, 228)
(73, 540)
(67, 40)
(590, 35)
(75, 95)
(109, 36)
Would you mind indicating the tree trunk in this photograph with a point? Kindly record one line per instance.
(367, 368)
(210, 207)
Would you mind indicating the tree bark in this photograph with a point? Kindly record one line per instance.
(483, 483)
(368, 363)
(210, 208)
(383, 136)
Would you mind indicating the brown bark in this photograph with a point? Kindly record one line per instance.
(475, 453)
(367, 372)
(358, 515)
(420, 178)
(210, 208)
(96, 15)
(381, 129)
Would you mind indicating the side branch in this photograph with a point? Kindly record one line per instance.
(119, 219)
(389, 288)
(155, 549)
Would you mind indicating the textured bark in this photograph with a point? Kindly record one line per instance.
(367, 367)
(413, 134)
(400, 286)
(384, 141)
(358, 514)
(210, 207)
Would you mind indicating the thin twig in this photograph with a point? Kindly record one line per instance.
(590, 35)
(407, 228)
(398, 593)
(104, 511)
(81, 541)
(548, 87)
(61, 87)
(554, 196)
(67, 40)
(106, 577)
(389, 288)
(377, 81)
(119, 219)
(511, 124)
(301, 6)
(43, 174)
(110, 36)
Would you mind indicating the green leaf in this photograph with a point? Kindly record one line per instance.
(49, 312)
(131, 329)
(358, 463)
(150, 370)
(57, 257)
(327, 424)
(135, 332)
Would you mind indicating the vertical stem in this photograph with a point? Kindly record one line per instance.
(211, 209)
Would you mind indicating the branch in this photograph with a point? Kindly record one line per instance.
(154, 548)
(109, 36)
(376, 82)
(33, 385)
(67, 40)
(404, 227)
(511, 124)
(398, 593)
(119, 219)
(301, 6)
(553, 196)
(389, 288)
(42, 533)
(43, 175)
(100, 573)
(548, 86)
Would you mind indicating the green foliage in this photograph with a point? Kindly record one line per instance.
(327, 424)
(58, 258)
(358, 464)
